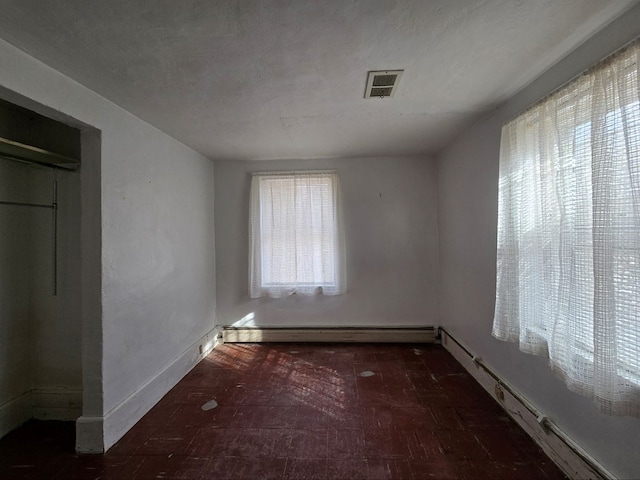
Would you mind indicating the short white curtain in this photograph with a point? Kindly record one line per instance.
(568, 259)
(296, 242)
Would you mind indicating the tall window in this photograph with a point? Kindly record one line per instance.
(568, 267)
(296, 240)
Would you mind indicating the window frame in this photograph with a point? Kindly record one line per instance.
(320, 197)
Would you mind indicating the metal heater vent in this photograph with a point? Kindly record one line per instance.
(382, 83)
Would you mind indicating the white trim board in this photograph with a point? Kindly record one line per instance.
(15, 412)
(48, 403)
(570, 458)
(96, 434)
(56, 403)
(321, 335)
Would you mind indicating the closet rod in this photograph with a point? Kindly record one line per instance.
(12, 150)
(33, 163)
(21, 204)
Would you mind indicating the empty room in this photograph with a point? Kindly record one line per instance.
(299, 239)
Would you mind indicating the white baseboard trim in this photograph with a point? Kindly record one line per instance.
(570, 458)
(90, 434)
(335, 334)
(56, 403)
(15, 412)
(50, 403)
(95, 434)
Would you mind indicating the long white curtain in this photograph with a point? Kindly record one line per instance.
(296, 240)
(568, 265)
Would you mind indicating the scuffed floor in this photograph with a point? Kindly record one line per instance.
(302, 412)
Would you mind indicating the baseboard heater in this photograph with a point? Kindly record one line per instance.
(332, 334)
(570, 457)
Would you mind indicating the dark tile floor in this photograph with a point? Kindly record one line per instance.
(285, 411)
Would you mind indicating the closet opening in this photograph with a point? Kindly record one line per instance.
(40, 268)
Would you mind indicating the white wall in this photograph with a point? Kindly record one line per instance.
(148, 266)
(15, 281)
(391, 246)
(468, 183)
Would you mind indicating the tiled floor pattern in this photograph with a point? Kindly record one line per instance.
(302, 412)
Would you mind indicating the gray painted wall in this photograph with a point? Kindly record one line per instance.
(158, 255)
(15, 282)
(468, 186)
(148, 267)
(390, 214)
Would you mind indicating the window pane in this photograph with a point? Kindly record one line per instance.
(299, 237)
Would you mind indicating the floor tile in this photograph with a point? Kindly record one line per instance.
(168, 441)
(381, 442)
(206, 442)
(306, 469)
(185, 468)
(191, 415)
(308, 444)
(446, 418)
(159, 415)
(346, 443)
(438, 468)
(142, 467)
(89, 467)
(132, 440)
(312, 418)
(459, 444)
(277, 417)
(478, 418)
(238, 468)
(351, 468)
(297, 411)
(398, 418)
(388, 469)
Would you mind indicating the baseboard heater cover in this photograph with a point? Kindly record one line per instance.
(570, 457)
(330, 334)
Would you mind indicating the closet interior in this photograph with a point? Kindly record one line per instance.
(40, 268)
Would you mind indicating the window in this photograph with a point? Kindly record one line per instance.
(568, 260)
(296, 241)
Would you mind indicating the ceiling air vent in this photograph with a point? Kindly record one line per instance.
(382, 83)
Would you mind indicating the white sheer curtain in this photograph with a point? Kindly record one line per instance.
(568, 266)
(296, 242)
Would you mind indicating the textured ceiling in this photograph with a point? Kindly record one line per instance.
(258, 79)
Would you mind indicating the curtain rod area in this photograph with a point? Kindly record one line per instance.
(295, 172)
